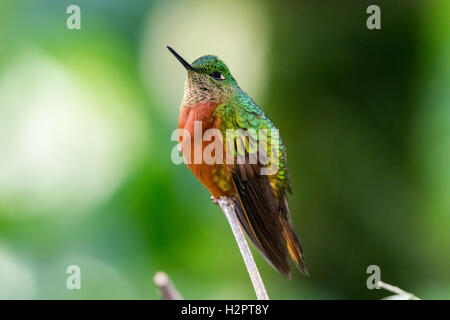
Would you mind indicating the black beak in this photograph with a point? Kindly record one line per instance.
(183, 62)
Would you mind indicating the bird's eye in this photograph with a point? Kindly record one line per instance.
(217, 75)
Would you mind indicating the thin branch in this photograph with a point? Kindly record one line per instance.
(227, 206)
(399, 293)
(166, 287)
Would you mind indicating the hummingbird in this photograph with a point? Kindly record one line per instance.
(213, 97)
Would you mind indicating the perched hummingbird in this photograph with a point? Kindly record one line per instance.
(213, 97)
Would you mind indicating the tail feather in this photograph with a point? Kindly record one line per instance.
(273, 251)
(265, 218)
(292, 242)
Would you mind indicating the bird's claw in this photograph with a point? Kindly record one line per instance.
(214, 200)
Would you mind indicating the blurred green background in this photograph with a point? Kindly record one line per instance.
(86, 118)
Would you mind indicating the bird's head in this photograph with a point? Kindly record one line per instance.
(208, 80)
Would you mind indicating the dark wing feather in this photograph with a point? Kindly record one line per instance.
(257, 210)
(262, 212)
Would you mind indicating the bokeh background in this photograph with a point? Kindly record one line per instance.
(86, 118)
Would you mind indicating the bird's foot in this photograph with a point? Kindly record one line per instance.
(215, 200)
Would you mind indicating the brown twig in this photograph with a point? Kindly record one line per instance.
(166, 287)
(399, 293)
(227, 206)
